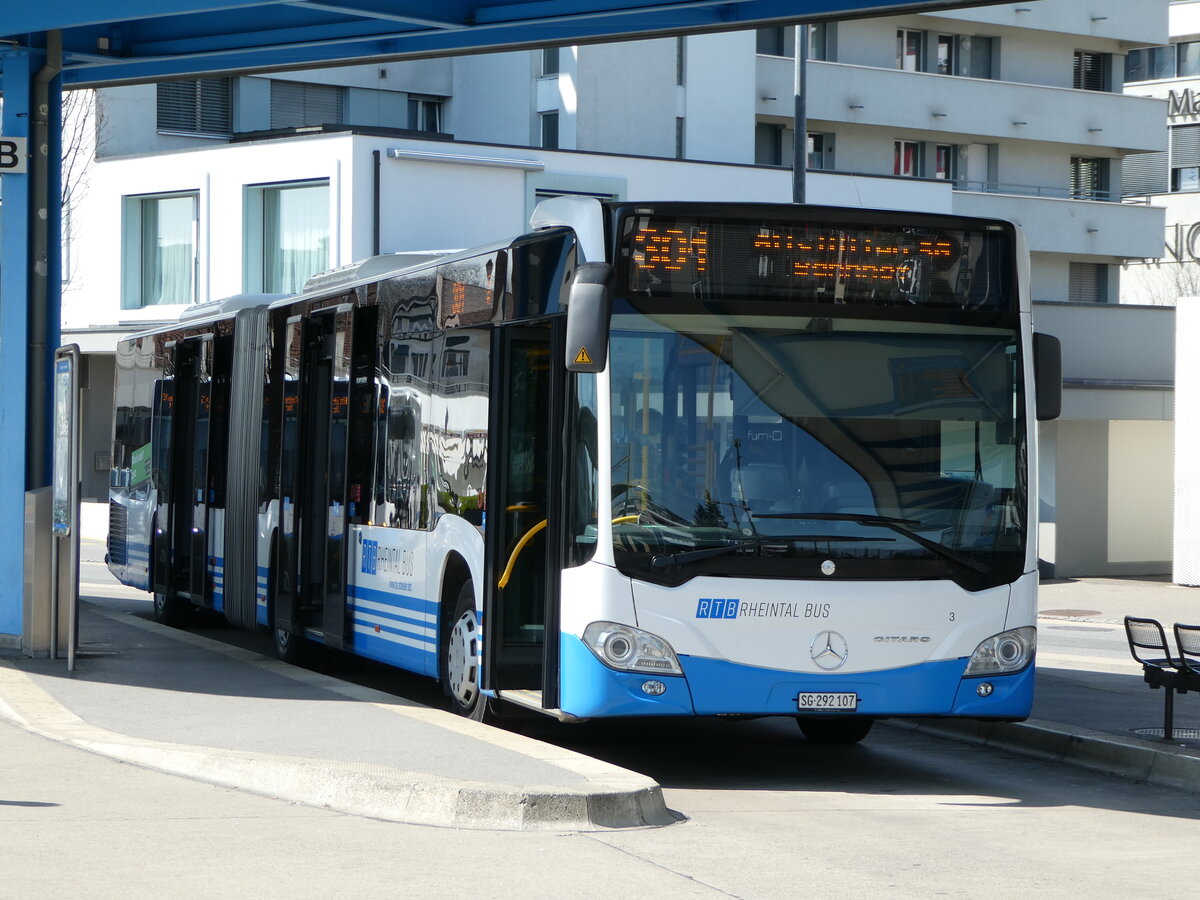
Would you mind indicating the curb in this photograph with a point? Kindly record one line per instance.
(610, 798)
(1127, 757)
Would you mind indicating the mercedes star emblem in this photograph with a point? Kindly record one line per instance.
(829, 650)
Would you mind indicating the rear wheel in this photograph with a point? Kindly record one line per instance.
(172, 611)
(460, 659)
(835, 729)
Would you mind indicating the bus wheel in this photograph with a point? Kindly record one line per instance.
(836, 729)
(460, 659)
(172, 611)
(291, 647)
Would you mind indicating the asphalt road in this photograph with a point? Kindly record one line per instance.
(767, 815)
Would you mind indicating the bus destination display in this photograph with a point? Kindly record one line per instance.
(817, 262)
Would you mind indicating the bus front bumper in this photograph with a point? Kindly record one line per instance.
(716, 687)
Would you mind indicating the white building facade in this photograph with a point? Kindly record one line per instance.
(209, 188)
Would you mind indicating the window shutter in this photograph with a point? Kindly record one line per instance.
(295, 104)
(1144, 173)
(1087, 283)
(200, 106)
(1089, 71)
(1185, 145)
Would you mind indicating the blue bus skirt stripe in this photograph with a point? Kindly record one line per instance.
(414, 604)
(712, 686)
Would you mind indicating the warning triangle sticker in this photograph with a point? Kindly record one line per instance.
(583, 358)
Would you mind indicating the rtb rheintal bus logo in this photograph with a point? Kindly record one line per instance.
(370, 556)
(716, 608)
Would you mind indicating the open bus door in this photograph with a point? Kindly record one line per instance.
(311, 597)
(524, 528)
(181, 530)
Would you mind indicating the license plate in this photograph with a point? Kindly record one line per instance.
(834, 702)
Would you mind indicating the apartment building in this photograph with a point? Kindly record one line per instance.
(212, 187)
(1170, 280)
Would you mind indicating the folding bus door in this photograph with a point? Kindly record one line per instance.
(316, 416)
(524, 533)
(181, 528)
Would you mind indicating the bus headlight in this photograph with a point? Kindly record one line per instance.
(1009, 651)
(630, 649)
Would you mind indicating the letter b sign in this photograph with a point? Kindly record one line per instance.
(12, 155)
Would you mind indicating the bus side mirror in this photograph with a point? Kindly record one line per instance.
(587, 318)
(1047, 376)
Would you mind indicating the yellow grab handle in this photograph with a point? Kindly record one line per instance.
(525, 539)
(624, 520)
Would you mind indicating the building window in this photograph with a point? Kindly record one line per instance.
(947, 54)
(1185, 156)
(1185, 178)
(822, 38)
(159, 250)
(768, 144)
(680, 59)
(945, 162)
(1091, 71)
(908, 49)
(288, 235)
(549, 61)
(776, 41)
(1150, 63)
(425, 113)
(1187, 58)
(201, 106)
(820, 150)
(549, 124)
(1087, 282)
(1089, 178)
(295, 104)
(907, 158)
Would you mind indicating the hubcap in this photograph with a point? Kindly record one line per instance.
(462, 660)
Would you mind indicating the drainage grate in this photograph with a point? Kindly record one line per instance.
(1179, 734)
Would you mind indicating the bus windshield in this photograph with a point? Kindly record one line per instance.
(787, 446)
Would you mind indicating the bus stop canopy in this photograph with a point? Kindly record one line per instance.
(141, 40)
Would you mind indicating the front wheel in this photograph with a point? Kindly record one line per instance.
(292, 648)
(172, 611)
(460, 659)
(835, 729)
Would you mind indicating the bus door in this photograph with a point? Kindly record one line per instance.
(524, 555)
(313, 533)
(181, 533)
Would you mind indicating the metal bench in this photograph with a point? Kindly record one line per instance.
(1160, 669)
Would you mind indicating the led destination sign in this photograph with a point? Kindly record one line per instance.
(818, 262)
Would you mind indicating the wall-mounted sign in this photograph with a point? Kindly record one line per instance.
(1183, 103)
(14, 155)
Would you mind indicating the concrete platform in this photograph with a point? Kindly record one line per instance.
(186, 704)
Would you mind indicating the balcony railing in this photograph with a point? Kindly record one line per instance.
(1035, 190)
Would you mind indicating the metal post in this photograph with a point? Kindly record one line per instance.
(800, 128)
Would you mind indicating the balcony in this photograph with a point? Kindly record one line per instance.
(1077, 227)
(1118, 359)
(962, 110)
(1118, 20)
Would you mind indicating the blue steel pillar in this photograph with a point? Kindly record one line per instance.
(30, 295)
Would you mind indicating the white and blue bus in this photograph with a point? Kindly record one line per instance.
(649, 459)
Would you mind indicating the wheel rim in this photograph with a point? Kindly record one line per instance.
(461, 661)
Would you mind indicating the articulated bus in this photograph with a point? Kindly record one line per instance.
(648, 459)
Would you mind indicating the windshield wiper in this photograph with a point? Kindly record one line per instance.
(897, 525)
(687, 556)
